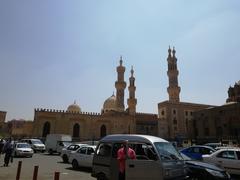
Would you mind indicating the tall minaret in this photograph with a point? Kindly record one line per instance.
(173, 89)
(132, 101)
(120, 85)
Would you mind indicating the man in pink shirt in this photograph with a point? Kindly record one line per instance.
(121, 156)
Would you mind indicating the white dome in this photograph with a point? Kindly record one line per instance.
(110, 104)
(74, 108)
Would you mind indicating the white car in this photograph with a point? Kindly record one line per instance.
(83, 157)
(23, 149)
(36, 144)
(229, 159)
(65, 153)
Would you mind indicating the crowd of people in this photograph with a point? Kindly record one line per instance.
(6, 147)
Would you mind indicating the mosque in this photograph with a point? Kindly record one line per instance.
(114, 117)
(174, 117)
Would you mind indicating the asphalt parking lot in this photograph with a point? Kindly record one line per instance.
(48, 165)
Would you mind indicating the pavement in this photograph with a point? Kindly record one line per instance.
(47, 166)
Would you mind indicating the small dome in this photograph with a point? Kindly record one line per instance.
(74, 108)
(110, 104)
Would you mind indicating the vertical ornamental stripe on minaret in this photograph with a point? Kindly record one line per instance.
(132, 101)
(120, 85)
(173, 89)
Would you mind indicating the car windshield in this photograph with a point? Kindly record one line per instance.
(36, 141)
(66, 143)
(23, 146)
(167, 151)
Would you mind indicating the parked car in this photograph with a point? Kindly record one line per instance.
(22, 149)
(68, 150)
(215, 145)
(198, 170)
(83, 157)
(196, 152)
(56, 142)
(36, 144)
(229, 159)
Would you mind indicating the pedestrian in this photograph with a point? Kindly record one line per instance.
(123, 153)
(8, 149)
(1, 146)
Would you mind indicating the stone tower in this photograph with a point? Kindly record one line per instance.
(132, 101)
(173, 88)
(120, 85)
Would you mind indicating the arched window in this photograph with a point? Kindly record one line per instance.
(76, 130)
(103, 131)
(46, 129)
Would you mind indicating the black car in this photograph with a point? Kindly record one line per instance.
(198, 170)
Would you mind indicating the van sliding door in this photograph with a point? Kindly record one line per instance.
(143, 170)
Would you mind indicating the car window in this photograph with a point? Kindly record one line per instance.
(82, 150)
(195, 150)
(226, 155)
(71, 147)
(204, 150)
(104, 150)
(23, 146)
(75, 147)
(90, 151)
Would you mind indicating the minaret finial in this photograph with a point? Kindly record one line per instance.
(121, 61)
(169, 51)
(132, 71)
(173, 51)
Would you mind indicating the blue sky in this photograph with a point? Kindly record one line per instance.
(55, 52)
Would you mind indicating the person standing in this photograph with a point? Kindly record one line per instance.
(123, 153)
(7, 149)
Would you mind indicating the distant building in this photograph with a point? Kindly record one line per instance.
(114, 117)
(19, 128)
(220, 123)
(2, 120)
(234, 93)
(175, 116)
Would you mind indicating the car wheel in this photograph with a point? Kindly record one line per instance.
(75, 164)
(65, 158)
(101, 177)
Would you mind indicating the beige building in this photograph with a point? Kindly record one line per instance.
(19, 128)
(175, 117)
(114, 117)
(220, 123)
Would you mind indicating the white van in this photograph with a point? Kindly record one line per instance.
(156, 159)
(56, 142)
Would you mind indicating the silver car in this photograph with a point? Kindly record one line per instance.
(23, 149)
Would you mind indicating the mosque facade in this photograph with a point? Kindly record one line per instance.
(174, 118)
(113, 119)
